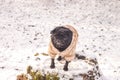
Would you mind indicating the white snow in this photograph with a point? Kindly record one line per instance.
(25, 26)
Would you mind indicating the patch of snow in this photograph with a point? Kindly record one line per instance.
(25, 26)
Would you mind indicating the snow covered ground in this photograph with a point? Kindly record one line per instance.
(25, 26)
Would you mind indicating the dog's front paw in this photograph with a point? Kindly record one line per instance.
(65, 69)
(52, 66)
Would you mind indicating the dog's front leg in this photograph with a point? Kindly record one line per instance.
(66, 66)
(52, 63)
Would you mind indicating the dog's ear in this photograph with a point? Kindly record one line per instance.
(52, 32)
(56, 29)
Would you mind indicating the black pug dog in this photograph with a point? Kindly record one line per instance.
(61, 38)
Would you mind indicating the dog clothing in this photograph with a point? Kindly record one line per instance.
(69, 53)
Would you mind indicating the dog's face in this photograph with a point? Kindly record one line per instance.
(61, 37)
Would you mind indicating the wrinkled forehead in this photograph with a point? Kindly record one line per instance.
(59, 29)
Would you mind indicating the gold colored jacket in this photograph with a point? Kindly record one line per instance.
(69, 53)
